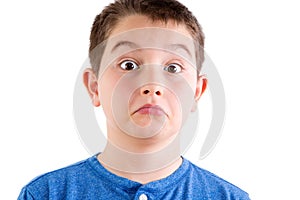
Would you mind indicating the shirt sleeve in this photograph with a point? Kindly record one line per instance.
(25, 195)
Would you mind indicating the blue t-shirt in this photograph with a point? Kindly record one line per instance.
(88, 179)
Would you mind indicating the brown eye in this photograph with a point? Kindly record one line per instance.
(173, 68)
(128, 65)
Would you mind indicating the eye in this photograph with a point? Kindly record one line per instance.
(173, 68)
(128, 65)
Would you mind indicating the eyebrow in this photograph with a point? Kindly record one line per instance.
(180, 46)
(135, 46)
(124, 43)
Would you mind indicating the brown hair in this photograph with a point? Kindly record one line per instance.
(156, 10)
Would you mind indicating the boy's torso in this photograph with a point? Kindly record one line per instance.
(90, 180)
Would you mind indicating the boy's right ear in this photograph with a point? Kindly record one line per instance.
(91, 83)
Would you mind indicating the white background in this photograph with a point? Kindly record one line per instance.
(254, 44)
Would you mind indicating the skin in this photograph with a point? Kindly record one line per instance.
(101, 89)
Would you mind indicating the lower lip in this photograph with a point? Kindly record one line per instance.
(151, 111)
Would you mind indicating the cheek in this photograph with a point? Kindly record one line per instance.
(175, 111)
(106, 88)
(182, 99)
(191, 79)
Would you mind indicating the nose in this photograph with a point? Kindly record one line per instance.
(151, 90)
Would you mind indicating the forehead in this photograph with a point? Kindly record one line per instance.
(139, 32)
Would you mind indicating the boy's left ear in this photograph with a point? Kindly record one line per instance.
(200, 89)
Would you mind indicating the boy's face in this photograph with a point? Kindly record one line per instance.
(147, 82)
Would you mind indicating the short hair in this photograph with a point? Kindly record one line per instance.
(156, 10)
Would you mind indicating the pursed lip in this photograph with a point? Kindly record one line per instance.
(150, 109)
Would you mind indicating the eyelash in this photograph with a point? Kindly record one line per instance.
(135, 65)
(175, 62)
(178, 67)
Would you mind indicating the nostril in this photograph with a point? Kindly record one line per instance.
(149, 91)
(146, 91)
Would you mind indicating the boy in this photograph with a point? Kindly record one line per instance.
(146, 57)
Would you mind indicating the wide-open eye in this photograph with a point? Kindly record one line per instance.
(173, 68)
(128, 65)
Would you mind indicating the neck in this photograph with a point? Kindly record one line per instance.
(144, 177)
(145, 164)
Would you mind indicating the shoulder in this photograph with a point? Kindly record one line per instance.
(70, 171)
(215, 186)
(55, 181)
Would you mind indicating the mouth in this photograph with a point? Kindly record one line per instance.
(149, 109)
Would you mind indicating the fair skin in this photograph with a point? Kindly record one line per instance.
(163, 110)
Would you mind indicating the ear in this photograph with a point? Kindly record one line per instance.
(200, 89)
(91, 83)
